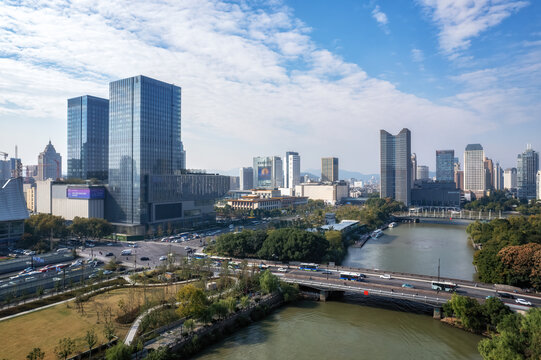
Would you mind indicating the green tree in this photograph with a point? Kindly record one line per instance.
(91, 339)
(160, 354)
(495, 310)
(65, 348)
(109, 331)
(189, 325)
(35, 354)
(118, 352)
(469, 312)
(192, 301)
(268, 282)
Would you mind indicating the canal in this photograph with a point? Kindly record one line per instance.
(350, 330)
(415, 248)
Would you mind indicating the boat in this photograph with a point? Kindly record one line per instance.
(377, 233)
(392, 225)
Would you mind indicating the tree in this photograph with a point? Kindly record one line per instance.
(193, 301)
(65, 348)
(189, 325)
(268, 282)
(91, 339)
(118, 352)
(160, 354)
(469, 311)
(35, 354)
(495, 310)
(109, 331)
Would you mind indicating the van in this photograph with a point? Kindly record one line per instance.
(125, 252)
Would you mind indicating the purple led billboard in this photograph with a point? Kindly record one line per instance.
(86, 193)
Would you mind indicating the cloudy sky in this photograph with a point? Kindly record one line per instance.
(263, 77)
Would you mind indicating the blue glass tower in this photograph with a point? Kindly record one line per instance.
(144, 141)
(88, 137)
(445, 165)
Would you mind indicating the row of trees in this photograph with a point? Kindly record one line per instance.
(510, 250)
(499, 200)
(287, 244)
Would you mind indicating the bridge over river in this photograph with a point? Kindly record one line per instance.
(448, 215)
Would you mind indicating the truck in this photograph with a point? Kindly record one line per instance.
(125, 252)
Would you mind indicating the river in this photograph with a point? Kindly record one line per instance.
(415, 248)
(350, 330)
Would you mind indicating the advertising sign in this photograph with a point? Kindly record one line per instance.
(86, 193)
(264, 173)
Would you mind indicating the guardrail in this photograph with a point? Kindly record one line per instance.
(23, 262)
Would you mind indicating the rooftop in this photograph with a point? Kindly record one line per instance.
(344, 224)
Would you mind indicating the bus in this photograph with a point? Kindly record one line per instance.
(199, 256)
(443, 286)
(309, 267)
(351, 276)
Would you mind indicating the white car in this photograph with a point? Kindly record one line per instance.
(385, 276)
(523, 302)
(282, 269)
(163, 258)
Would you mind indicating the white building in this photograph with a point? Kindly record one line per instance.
(498, 177)
(474, 168)
(246, 178)
(538, 185)
(268, 172)
(510, 178)
(422, 172)
(292, 170)
(330, 193)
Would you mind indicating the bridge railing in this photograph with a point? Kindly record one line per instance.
(443, 213)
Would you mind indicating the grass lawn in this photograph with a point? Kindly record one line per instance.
(44, 328)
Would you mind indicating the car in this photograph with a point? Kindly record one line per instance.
(29, 252)
(133, 245)
(408, 286)
(490, 297)
(163, 258)
(326, 272)
(282, 269)
(107, 272)
(523, 302)
(92, 276)
(505, 295)
(385, 276)
(187, 248)
(109, 254)
(145, 258)
(110, 244)
(90, 245)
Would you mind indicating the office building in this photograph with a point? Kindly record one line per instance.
(428, 193)
(474, 169)
(497, 183)
(422, 172)
(395, 163)
(445, 165)
(538, 185)
(329, 169)
(5, 170)
(292, 170)
(13, 211)
(489, 173)
(331, 194)
(234, 183)
(459, 179)
(527, 166)
(413, 168)
(510, 178)
(246, 178)
(268, 172)
(88, 137)
(49, 164)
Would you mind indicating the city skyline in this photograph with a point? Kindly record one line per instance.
(278, 50)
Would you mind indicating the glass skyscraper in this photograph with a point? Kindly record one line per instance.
(527, 166)
(445, 165)
(88, 137)
(396, 166)
(329, 169)
(144, 142)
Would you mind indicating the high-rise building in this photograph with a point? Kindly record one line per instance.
(246, 175)
(395, 162)
(329, 169)
(527, 166)
(474, 169)
(510, 178)
(538, 185)
(268, 172)
(88, 137)
(488, 164)
(459, 179)
(49, 163)
(413, 168)
(445, 165)
(497, 183)
(144, 141)
(422, 172)
(292, 170)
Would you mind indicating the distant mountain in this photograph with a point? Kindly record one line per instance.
(346, 174)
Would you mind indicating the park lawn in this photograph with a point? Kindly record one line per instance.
(44, 328)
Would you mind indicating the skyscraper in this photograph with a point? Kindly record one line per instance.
(49, 163)
(527, 166)
(88, 137)
(445, 165)
(329, 169)
(144, 141)
(497, 182)
(474, 169)
(510, 178)
(422, 172)
(413, 168)
(246, 175)
(292, 170)
(268, 172)
(395, 162)
(489, 173)
(538, 185)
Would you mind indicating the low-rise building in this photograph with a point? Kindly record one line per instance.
(344, 226)
(428, 193)
(330, 193)
(260, 200)
(13, 211)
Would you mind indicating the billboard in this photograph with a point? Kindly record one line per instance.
(86, 193)
(264, 173)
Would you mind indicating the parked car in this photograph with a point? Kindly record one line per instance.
(163, 258)
(523, 302)
(505, 295)
(385, 276)
(107, 272)
(109, 254)
(145, 258)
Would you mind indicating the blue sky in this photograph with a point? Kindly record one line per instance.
(263, 77)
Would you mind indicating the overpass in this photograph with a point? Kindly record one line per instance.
(447, 215)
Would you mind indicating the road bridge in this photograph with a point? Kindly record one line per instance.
(445, 215)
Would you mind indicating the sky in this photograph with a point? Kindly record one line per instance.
(260, 78)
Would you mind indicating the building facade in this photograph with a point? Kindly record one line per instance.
(246, 178)
(88, 137)
(489, 173)
(445, 165)
(49, 163)
(13, 211)
(268, 172)
(292, 170)
(510, 178)
(329, 169)
(538, 185)
(474, 169)
(330, 193)
(527, 166)
(423, 172)
(497, 182)
(395, 164)
(413, 168)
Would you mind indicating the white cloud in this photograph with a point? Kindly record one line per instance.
(381, 18)
(462, 20)
(417, 55)
(253, 81)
